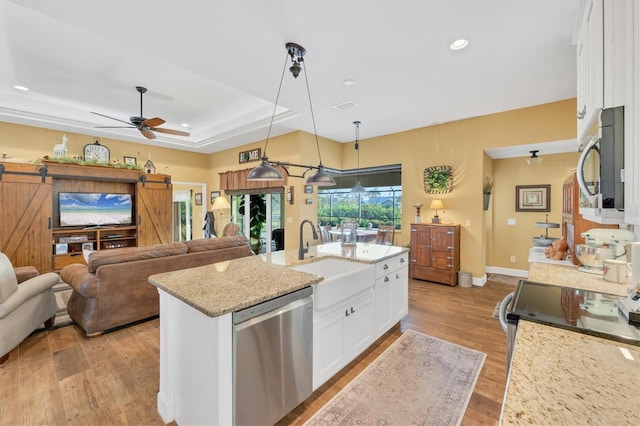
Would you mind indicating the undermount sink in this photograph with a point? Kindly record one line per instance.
(342, 278)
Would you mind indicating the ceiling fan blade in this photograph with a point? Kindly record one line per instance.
(112, 118)
(115, 127)
(170, 131)
(147, 133)
(153, 122)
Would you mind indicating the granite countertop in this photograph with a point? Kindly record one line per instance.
(562, 377)
(229, 286)
(570, 276)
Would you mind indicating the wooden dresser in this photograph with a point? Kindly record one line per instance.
(435, 253)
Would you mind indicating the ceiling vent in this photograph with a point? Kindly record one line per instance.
(345, 105)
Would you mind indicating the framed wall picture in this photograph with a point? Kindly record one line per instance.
(132, 161)
(198, 198)
(308, 189)
(533, 198)
(214, 195)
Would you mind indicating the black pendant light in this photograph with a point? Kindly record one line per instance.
(266, 169)
(358, 189)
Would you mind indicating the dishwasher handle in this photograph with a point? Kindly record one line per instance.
(270, 305)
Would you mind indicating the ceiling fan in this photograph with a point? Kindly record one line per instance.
(146, 126)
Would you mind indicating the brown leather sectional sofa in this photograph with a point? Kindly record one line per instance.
(113, 289)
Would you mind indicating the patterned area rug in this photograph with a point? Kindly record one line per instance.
(418, 380)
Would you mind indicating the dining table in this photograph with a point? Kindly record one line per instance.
(364, 235)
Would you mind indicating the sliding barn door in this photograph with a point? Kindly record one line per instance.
(25, 216)
(153, 211)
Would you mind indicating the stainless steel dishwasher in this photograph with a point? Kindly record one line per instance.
(272, 354)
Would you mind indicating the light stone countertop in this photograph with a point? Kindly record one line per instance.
(229, 286)
(564, 377)
(560, 377)
(570, 276)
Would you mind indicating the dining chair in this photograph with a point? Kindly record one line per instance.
(385, 235)
(325, 237)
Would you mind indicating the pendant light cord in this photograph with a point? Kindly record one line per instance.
(357, 146)
(315, 132)
(275, 106)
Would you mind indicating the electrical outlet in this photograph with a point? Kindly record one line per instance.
(512, 259)
(467, 223)
(511, 221)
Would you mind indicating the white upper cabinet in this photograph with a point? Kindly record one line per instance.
(590, 55)
(608, 56)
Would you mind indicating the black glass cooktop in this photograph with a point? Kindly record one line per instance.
(572, 309)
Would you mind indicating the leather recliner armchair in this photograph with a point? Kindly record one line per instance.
(25, 306)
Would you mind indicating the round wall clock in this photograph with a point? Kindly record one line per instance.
(95, 151)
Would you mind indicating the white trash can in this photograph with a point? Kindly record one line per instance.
(465, 279)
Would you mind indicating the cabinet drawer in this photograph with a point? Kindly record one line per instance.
(389, 265)
(62, 260)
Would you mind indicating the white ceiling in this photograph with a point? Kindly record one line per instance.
(217, 64)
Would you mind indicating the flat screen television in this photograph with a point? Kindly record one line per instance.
(93, 209)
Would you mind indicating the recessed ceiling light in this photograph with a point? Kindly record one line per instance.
(185, 125)
(459, 44)
(23, 88)
(348, 82)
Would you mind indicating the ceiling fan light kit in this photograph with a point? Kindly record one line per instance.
(266, 170)
(146, 126)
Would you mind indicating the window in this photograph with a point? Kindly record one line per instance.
(380, 205)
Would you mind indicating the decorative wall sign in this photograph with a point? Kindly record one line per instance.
(130, 160)
(252, 155)
(533, 198)
(198, 198)
(438, 179)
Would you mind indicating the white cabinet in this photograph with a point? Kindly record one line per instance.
(590, 57)
(341, 333)
(392, 297)
(347, 321)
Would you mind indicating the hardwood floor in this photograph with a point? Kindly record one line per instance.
(61, 377)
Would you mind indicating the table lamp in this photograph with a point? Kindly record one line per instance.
(436, 205)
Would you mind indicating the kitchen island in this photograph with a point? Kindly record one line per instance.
(559, 376)
(196, 330)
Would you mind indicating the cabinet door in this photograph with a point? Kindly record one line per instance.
(329, 354)
(384, 304)
(590, 63)
(442, 238)
(360, 324)
(153, 209)
(399, 294)
(421, 245)
(25, 228)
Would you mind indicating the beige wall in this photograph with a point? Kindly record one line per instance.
(460, 144)
(516, 240)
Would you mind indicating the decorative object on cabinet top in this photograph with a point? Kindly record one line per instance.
(438, 179)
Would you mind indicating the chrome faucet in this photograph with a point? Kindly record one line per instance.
(302, 250)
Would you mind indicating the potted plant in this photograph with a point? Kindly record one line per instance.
(257, 218)
(486, 192)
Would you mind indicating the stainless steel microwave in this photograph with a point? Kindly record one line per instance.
(600, 170)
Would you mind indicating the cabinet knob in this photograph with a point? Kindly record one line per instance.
(413, 260)
(353, 311)
(386, 279)
(346, 313)
(402, 260)
(385, 266)
(397, 276)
